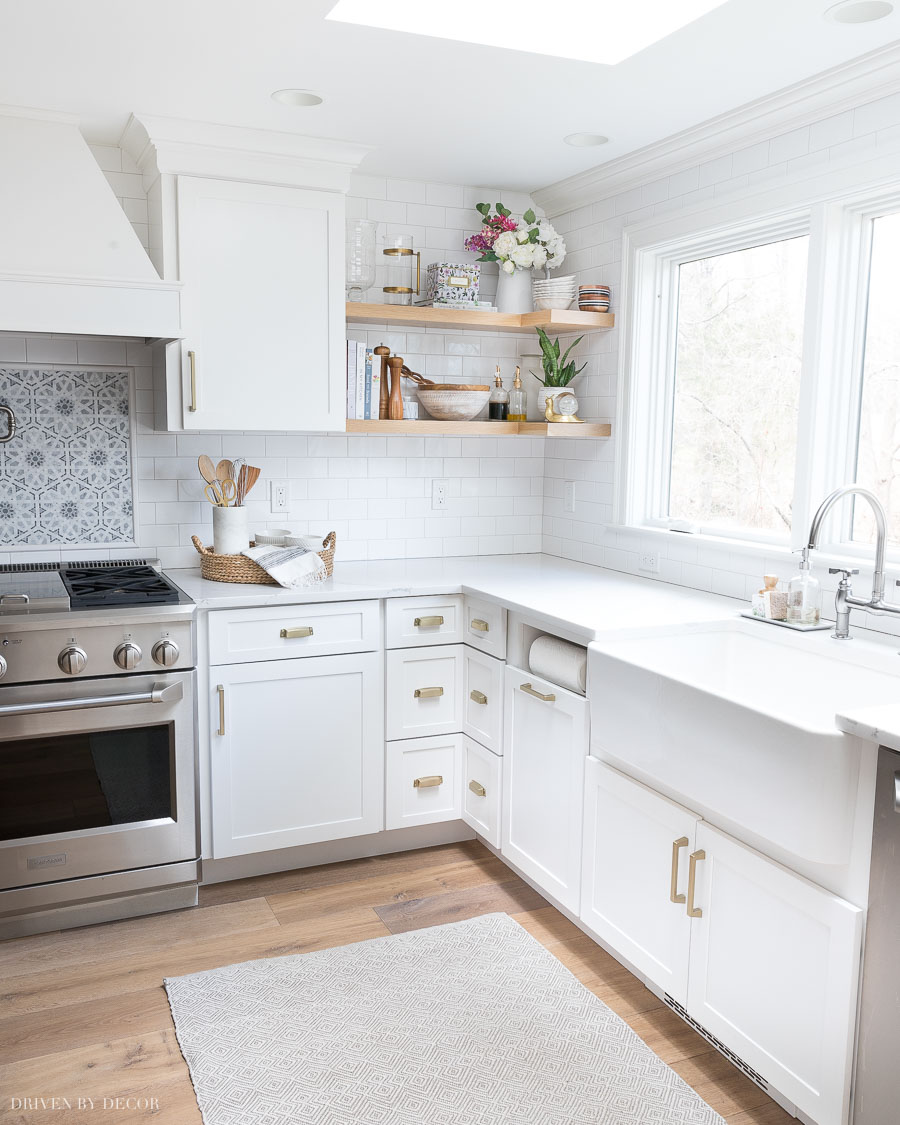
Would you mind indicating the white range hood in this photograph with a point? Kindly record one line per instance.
(70, 261)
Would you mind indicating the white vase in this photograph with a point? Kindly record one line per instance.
(514, 292)
(230, 534)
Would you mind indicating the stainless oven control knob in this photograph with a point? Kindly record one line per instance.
(72, 660)
(166, 653)
(3, 667)
(127, 656)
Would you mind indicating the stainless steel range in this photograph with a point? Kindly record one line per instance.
(97, 745)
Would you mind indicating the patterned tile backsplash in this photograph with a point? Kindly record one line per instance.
(66, 478)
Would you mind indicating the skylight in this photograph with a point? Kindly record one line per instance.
(597, 31)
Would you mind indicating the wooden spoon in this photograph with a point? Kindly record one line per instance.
(207, 468)
(224, 470)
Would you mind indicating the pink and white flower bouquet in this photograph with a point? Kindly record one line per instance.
(526, 244)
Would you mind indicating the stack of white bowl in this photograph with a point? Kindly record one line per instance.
(554, 292)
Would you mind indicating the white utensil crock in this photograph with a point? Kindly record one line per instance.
(230, 535)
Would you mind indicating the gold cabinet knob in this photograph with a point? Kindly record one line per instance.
(478, 789)
(477, 696)
(428, 782)
(428, 692)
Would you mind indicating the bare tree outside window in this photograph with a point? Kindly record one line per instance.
(878, 449)
(737, 384)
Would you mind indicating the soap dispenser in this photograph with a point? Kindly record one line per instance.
(804, 595)
(498, 404)
(517, 409)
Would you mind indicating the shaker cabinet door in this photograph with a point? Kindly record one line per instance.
(774, 966)
(545, 738)
(262, 307)
(634, 875)
(296, 751)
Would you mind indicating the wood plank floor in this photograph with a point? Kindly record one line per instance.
(83, 1013)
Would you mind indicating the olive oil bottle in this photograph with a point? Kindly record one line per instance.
(517, 407)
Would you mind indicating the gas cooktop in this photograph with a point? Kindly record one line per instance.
(49, 587)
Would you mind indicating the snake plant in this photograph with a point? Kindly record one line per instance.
(557, 371)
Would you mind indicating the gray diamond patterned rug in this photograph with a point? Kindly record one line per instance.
(472, 1023)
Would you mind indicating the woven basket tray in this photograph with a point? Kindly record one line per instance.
(238, 568)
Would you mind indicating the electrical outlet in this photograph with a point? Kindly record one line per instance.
(279, 495)
(649, 562)
(569, 496)
(438, 494)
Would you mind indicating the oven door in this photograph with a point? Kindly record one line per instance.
(96, 776)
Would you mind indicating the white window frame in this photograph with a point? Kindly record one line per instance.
(835, 209)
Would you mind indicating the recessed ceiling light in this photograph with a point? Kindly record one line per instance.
(602, 31)
(296, 97)
(859, 11)
(585, 140)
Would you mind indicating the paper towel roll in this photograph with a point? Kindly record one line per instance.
(560, 662)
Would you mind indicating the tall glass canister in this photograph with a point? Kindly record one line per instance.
(360, 253)
(403, 272)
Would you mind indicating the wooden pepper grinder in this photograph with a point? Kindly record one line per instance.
(384, 392)
(395, 405)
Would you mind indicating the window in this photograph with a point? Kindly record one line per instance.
(762, 367)
(738, 351)
(878, 435)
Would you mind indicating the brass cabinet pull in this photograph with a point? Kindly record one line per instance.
(477, 696)
(537, 694)
(192, 361)
(677, 845)
(694, 911)
(478, 789)
(428, 692)
(428, 782)
(300, 631)
(481, 626)
(221, 690)
(428, 622)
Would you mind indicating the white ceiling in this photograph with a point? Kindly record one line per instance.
(435, 109)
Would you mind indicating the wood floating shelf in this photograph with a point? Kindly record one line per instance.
(551, 320)
(471, 429)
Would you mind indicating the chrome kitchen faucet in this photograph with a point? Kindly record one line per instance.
(844, 600)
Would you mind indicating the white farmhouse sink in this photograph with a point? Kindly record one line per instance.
(737, 719)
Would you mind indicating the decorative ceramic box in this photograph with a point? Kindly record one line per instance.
(452, 281)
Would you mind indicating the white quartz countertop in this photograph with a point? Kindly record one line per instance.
(584, 599)
(879, 724)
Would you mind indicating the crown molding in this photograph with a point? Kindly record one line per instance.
(170, 145)
(34, 114)
(874, 75)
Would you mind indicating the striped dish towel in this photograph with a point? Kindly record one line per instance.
(292, 567)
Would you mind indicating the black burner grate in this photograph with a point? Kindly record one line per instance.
(114, 586)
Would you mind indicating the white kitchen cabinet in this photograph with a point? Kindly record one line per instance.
(634, 875)
(763, 959)
(431, 620)
(286, 632)
(485, 627)
(482, 703)
(424, 781)
(296, 752)
(545, 743)
(774, 968)
(482, 787)
(263, 308)
(423, 691)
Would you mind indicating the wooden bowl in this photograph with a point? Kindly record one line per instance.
(454, 402)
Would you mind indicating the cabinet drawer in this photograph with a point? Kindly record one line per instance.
(238, 636)
(410, 622)
(423, 777)
(485, 627)
(481, 791)
(424, 691)
(482, 704)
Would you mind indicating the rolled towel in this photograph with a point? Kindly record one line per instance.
(292, 567)
(560, 662)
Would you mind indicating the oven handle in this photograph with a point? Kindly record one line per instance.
(159, 693)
